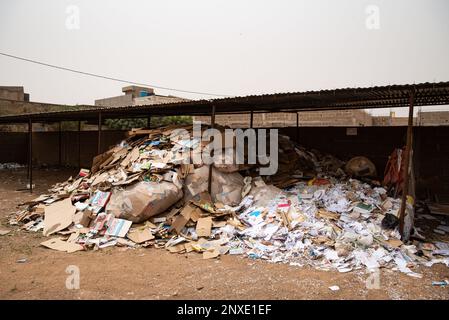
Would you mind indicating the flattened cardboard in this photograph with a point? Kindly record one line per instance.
(211, 254)
(177, 249)
(100, 178)
(86, 218)
(178, 223)
(98, 160)
(73, 237)
(4, 231)
(58, 216)
(60, 245)
(187, 211)
(218, 224)
(396, 243)
(203, 227)
(130, 158)
(140, 236)
(181, 220)
(40, 209)
(130, 179)
(196, 214)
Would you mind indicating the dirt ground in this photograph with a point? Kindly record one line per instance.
(149, 273)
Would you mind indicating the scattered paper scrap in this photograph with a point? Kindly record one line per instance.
(118, 227)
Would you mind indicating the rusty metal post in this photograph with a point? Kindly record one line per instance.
(406, 173)
(60, 143)
(251, 120)
(30, 154)
(297, 127)
(99, 133)
(212, 124)
(79, 145)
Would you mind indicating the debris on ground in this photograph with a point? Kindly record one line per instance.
(443, 283)
(10, 165)
(144, 192)
(4, 231)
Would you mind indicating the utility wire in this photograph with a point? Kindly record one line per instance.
(109, 78)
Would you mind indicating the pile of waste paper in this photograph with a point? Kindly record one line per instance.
(313, 212)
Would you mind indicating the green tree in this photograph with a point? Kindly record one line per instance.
(127, 124)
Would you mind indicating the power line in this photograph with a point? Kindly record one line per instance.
(109, 78)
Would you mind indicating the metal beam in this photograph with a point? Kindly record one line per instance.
(99, 133)
(212, 124)
(297, 127)
(79, 145)
(30, 154)
(60, 143)
(406, 171)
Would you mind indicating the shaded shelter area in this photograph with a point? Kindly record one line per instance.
(413, 95)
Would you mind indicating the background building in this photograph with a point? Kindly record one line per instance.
(13, 93)
(134, 96)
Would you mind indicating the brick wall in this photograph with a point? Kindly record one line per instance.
(281, 119)
(433, 118)
(338, 118)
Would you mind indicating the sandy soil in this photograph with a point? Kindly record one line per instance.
(120, 273)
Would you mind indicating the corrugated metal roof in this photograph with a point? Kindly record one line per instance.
(334, 99)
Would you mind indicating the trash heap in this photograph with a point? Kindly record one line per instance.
(141, 193)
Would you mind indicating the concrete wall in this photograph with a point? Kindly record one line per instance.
(433, 118)
(12, 93)
(124, 100)
(337, 118)
(281, 119)
(391, 121)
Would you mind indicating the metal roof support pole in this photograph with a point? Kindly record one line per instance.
(59, 143)
(297, 127)
(212, 124)
(79, 145)
(99, 133)
(406, 170)
(251, 125)
(30, 154)
(251, 120)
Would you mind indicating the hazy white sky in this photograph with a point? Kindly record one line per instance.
(221, 46)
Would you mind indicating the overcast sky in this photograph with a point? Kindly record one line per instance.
(221, 46)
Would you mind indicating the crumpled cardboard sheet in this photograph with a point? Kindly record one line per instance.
(58, 216)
